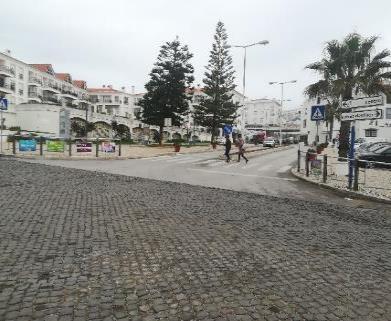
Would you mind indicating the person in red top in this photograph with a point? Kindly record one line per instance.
(240, 144)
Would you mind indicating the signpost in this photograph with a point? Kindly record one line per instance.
(84, 147)
(27, 145)
(3, 106)
(363, 102)
(108, 147)
(55, 146)
(318, 113)
(362, 115)
(167, 122)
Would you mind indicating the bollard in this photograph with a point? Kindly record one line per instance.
(324, 168)
(298, 161)
(97, 147)
(70, 147)
(40, 146)
(307, 165)
(119, 148)
(356, 173)
(14, 145)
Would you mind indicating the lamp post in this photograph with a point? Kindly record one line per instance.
(263, 42)
(282, 100)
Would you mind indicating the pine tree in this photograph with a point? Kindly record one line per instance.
(166, 95)
(217, 108)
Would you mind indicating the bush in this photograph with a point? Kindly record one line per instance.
(14, 128)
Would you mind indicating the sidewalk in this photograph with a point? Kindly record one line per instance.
(374, 183)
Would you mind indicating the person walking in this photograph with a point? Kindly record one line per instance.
(240, 143)
(227, 148)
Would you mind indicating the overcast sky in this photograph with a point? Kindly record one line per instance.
(116, 42)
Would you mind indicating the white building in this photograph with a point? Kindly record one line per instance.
(380, 128)
(262, 113)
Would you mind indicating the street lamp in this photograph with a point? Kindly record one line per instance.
(282, 100)
(263, 42)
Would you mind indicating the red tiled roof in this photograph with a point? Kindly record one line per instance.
(64, 77)
(102, 90)
(48, 68)
(80, 83)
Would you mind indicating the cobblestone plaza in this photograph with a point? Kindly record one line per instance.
(79, 245)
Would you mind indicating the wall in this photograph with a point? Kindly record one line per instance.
(39, 117)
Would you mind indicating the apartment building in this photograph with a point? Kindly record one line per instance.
(110, 101)
(262, 112)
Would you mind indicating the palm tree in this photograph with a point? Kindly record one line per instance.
(347, 69)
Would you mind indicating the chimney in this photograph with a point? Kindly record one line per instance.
(123, 88)
(7, 52)
(133, 90)
(103, 86)
(110, 86)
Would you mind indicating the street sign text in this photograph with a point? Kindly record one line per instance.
(362, 115)
(363, 102)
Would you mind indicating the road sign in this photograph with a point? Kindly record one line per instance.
(3, 104)
(167, 122)
(363, 102)
(362, 115)
(227, 129)
(318, 112)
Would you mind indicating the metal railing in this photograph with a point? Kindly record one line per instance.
(355, 174)
(35, 80)
(7, 69)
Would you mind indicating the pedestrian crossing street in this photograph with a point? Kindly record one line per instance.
(254, 165)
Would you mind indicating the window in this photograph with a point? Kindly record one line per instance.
(304, 123)
(20, 92)
(371, 132)
(116, 99)
(21, 76)
(388, 113)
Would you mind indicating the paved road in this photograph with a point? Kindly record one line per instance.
(77, 245)
(266, 174)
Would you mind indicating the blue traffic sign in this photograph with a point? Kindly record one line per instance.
(318, 112)
(227, 129)
(3, 104)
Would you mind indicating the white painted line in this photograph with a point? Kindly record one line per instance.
(157, 158)
(264, 168)
(208, 161)
(217, 163)
(244, 175)
(284, 169)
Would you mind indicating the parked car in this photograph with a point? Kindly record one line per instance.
(367, 140)
(382, 155)
(269, 142)
(370, 147)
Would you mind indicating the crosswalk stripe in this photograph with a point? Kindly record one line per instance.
(284, 169)
(264, 168)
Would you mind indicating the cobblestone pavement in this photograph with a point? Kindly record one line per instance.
(79, 245)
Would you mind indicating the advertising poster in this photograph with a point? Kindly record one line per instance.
(108, 147)
(55, 146)
(83, 147)
(27, 145)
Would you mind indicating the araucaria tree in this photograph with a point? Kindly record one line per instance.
(217, 108)
(166, 95)
(349, 68)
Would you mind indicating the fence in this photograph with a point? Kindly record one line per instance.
(41, 146)
(358, 175)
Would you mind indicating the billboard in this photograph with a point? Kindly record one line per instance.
(27, 145)
(85, 147)
(55, 146)
(108, 147)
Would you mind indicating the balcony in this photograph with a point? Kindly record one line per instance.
(51, 100)
(6, 71)
(68, 94)
(34, 97)
(51, 88)
(7, 88)
(34, 81)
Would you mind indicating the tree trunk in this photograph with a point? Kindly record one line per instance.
(160, 135)
(331, 129)
(344, 139)
(212, 139)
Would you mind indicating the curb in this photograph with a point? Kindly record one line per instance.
(340, 191)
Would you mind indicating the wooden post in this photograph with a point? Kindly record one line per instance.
(119, 148)
(324, 168)
(97, 147)
(307, 165)
(14, 145)
(40, 146)
(69, 147)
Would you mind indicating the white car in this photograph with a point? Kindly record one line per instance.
(269, 142)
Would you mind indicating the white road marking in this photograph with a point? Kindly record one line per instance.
(157, 158)
(205, 162)
(244, 175)
(284, 169)
(264, 168)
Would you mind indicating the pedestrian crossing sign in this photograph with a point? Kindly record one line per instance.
(318, 112)
(3, 103)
